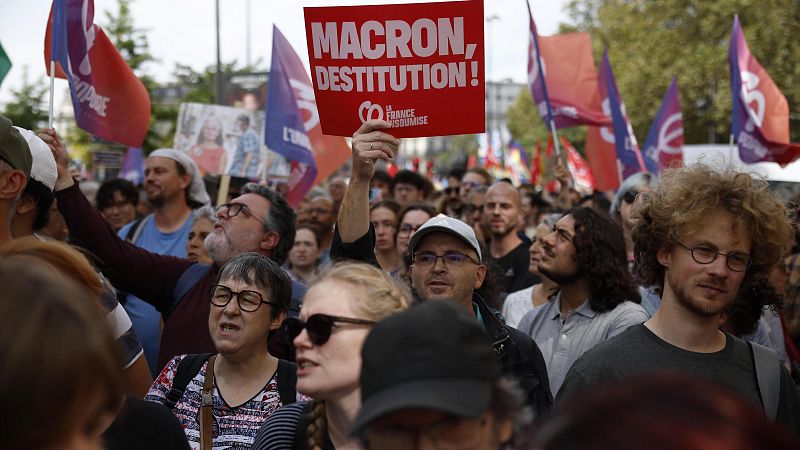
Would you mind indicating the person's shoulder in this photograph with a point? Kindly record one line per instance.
(628, 309)
(522, 294)
(279, 430)
(616, 345)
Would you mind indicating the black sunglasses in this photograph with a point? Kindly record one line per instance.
(630, 197)
(319, 326)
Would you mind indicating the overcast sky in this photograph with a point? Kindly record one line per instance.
(182, 31)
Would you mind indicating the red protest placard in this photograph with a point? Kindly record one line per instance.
(419, 66)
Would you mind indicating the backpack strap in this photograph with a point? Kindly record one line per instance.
(287, 381)
(187, 281)
(188, 368)
(136, 230)
(768, 375)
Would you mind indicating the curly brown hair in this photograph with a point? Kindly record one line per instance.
(687, 196)
(601, 257)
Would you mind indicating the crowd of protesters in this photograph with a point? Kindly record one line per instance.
(393, 312)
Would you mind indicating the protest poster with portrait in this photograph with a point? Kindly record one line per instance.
(419, 66)
(227, 141)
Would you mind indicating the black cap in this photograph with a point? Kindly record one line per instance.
(14, 148)
(434, 356)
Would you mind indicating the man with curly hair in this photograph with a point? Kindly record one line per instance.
(707, 236)
(585, 256)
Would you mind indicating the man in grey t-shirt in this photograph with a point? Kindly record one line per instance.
(705, 237)
(585, 256)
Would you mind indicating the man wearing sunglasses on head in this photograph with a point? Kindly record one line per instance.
(259, 221)
(706, 236)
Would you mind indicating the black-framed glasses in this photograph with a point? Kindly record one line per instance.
(247, 300)
(448, 433)
(318, 326)
(704, 254)
(453, 259)
(233, 209)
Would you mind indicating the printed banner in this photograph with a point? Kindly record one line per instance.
(760, 111)
(664, 145)
(628, 155)
(419, 66)
(563, 79)
(226, 140)
(109, 100)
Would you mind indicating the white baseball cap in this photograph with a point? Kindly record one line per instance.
(44, 168)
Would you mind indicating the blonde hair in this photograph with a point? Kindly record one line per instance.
(378, 296)
(689, 195)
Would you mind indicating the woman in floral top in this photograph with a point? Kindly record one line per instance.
(250, 299)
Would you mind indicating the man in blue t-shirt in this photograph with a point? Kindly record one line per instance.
(174, 187)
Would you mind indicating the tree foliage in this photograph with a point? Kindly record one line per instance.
(649, 42)
(27, 108)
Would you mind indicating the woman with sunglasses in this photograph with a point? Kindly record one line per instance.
(338, 312)
(623, 211)
(244, 382)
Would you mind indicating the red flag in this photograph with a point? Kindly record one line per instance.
(548, 176)
(536, 166)
(578, 168)
(109, 100)
(602, 156)
(471, 161)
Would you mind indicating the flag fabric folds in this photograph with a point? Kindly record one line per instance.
(109, 100)
(664, 145)
(581, 172)
(628, 154)
(5, 64)
(563, 79)
(133, 166)
(760, 111)
(517, 163)
(292, 126)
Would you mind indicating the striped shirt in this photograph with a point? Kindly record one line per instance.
(281, 429)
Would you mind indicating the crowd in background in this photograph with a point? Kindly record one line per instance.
(146, 317)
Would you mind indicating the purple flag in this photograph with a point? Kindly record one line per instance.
(133, 166)
(285, 131)
(664, 144)
(760, 111)
(628, 156)
(536, 73)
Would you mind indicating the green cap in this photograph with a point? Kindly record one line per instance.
(14, 148)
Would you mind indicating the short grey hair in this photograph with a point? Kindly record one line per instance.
(633, 183)
(264, 273)
(204, 212)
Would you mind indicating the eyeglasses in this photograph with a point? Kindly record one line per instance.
(736, 261)
(407, 228)
(449, 259)
(630, 197)
(318, 326)
(450, 433)
(248, 301)
(233, 210)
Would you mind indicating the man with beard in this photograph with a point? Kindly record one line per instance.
(706, 236)
(502, 214)
(585, 256)
(174, 187)
(259, 220)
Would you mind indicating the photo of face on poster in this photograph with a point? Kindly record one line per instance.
(226, 140)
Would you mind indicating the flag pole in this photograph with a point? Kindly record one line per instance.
(52, 89)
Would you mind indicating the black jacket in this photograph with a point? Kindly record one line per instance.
(519, 356)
